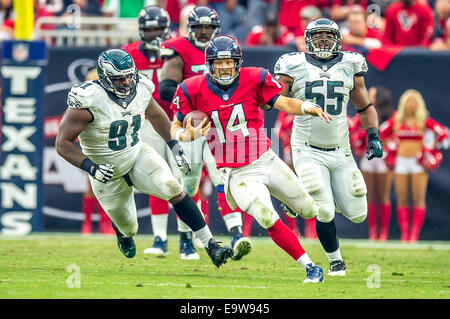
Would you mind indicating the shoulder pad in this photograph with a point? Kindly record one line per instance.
(165, 53)
(82, 95)
(287, 62)
(145, 80)
(357, 60)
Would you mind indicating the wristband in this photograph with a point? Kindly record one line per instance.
(373, 133)
(178, 133)
(87, 165)
(172, 143)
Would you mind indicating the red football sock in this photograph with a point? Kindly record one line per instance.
(88, 208)
(310, 228)
(286, 239)
(247, 221)
(222, 204)
(403, 222)
(158, 206)
(205, 209)
(372, 220)
(418, 217)
(105, 226)
(292, 224)
(385, 218)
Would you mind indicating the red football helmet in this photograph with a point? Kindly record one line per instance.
(430, 159)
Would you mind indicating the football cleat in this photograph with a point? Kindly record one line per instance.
(126, 244)
(288, 211)
(159, 248)
(337, 268)
(218, 254)
(313, 274)
(187, 250)
(241, 246)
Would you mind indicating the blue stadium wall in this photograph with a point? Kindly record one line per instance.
(64, 185)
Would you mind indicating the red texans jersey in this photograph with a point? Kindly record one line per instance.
(150, 68)
(193, 58)
(237, 135)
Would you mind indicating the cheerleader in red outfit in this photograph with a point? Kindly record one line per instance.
(413, 161)
(377, 173)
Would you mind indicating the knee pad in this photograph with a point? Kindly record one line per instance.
(359, 218)
(171, 189)
(311, 178)
(356, 184)
(262, 213)
(326, 213)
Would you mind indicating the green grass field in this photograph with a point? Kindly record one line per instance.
(43, 266)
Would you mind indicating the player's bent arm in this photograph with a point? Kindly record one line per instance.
(189, 133)
(360, 99)
(171, 75)
(72, 124)
(298, 107)
(74, 121)
(159, 119)
(368, 117)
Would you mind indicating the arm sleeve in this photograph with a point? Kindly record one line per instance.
(268, 87)
(438, 129)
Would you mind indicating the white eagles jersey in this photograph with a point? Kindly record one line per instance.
(327, 83)
(114, 135)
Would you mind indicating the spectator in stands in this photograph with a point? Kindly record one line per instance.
(358, 34)
(442, 43)
(183, 26)
(6, 14)
(408, 23)
(232, 15)
(442, 14)
(174, 8)
(307, 14)
(290, 11)
(257, 9)
(340, 10)
(125, 8)
(271, 33)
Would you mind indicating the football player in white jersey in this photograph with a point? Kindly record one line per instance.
(107, 115)
(321, 152)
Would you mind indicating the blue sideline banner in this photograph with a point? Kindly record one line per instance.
(23, 68)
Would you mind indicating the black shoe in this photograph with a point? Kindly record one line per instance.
(218, 255)
(337, 268)
(126, 244)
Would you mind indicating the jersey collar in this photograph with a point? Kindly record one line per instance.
(218, 91)
(325, 65)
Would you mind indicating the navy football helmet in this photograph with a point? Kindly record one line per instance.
(202, 16)
(117, 72)
(154, 26)
(224, 47)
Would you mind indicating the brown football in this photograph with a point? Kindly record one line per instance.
(197, 117)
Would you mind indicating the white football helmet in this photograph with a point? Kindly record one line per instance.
(322, 46)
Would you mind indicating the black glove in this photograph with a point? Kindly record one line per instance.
(180, 156)
(374, 145)
(101, 172)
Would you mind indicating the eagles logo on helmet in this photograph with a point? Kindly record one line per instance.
(117, 72)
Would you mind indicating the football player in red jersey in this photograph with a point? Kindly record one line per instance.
(188, 60)
(235, 99)
(154, 28)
